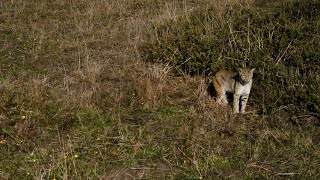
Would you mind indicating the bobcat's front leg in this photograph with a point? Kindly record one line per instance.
(244, 100)
(236, 98)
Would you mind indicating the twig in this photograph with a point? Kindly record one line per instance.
(253, 165)
(147, 168)
(235, 59)
(285, 51)
(287, 174)
(169, 163)
(119, 172)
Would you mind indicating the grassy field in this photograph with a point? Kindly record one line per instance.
(96, 90)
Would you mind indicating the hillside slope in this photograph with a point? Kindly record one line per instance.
(97, 91)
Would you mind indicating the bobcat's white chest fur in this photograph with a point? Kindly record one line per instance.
(237, 83)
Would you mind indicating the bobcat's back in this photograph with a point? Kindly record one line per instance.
(225, 80)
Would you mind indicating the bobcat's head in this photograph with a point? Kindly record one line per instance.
(245, 75)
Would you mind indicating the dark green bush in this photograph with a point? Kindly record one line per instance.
(280, 39)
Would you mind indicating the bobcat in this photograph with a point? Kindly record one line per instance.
(237, 83)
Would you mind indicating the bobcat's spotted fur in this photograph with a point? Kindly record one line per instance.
(237, 83)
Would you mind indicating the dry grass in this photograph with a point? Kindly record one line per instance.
(78, 102)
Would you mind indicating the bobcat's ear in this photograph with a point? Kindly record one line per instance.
(239, 70)
(252, 70)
